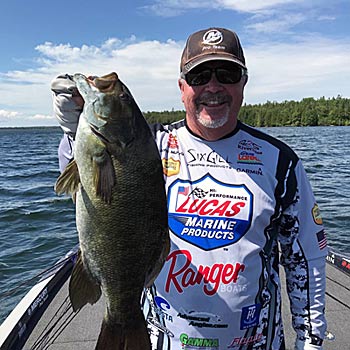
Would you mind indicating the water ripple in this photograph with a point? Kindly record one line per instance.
(37, 227)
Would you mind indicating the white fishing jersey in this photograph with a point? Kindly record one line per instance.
(230, 202)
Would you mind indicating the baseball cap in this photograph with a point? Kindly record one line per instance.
(211, 44)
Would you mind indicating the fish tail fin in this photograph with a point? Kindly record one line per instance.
(119, 337)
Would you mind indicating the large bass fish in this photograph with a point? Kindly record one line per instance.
(117, 181)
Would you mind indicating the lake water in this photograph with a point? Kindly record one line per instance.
(37, 227)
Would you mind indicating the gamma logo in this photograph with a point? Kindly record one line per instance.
(212, 37)
(208, 213)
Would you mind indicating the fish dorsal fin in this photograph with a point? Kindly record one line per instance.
(83, 288)
(104, 177)
(68, 181)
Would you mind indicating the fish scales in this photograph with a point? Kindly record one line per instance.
(121, 211)
(125, 224)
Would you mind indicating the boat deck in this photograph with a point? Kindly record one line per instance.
(83, 329)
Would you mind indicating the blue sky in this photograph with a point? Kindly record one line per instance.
(293, 48)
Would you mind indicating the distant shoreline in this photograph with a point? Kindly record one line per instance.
(57, 128)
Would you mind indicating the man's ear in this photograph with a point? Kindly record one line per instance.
(181, 83)
(246, 79)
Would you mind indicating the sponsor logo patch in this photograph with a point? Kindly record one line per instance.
(240, 341)
(182, 275)
(212, 37)
(321, 239)
(160, 307)
(162, 303)
(170, 166)
(316, 214)
(207, 159)
(250, 146)
(172, 142)
(257, 171)
(248, 158)
(250, 316)
(208, 213)
(198, 343)
(201, 319)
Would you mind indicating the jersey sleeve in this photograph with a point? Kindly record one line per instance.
(303, 255)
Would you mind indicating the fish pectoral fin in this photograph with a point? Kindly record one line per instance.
(83, 288)
(68, 181)
(104, 176)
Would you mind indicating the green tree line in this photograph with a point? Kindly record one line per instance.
(307, 112)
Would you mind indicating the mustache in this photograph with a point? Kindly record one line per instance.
(218, 97)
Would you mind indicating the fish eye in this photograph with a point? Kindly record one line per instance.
(124, 97)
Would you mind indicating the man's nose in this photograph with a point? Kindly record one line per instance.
(213, 84)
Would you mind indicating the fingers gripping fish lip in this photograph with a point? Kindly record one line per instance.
(82, 84)
(107, 108)
(93, 89)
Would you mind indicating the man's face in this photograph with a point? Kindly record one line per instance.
(212, 108)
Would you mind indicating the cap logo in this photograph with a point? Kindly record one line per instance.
(212, 37)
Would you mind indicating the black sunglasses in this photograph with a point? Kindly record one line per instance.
(202, 75)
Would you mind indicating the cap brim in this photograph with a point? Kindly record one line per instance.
(215, 57)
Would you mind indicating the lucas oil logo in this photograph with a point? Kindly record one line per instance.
(208, 213)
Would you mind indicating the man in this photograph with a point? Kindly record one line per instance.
(233, 194)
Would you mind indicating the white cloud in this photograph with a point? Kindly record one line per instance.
(262, 16)
(278, 25)
(169, 8)
(7, 114)
(42, 117)
(149, 68)
(172, 8)
(326, 18)
(13, 118)
(254, 6)
(311, 66)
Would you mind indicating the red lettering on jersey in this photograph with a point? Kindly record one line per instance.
(248, 157)
(210, 276)
(210, 207)
(235, 209)
(195, 206)
(172, 141)
(209, 204)
(182, 208)
(221, 209)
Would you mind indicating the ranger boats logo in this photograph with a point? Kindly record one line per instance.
(208, 213)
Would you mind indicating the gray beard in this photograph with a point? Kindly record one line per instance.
(212, 124)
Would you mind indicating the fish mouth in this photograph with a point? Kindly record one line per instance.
(105, 83)
(105, 140)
